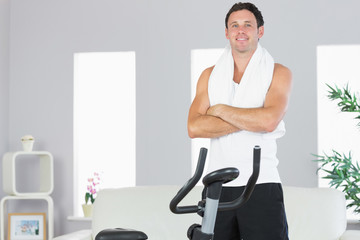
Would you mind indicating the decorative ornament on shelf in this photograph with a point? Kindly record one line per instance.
(27, 143)
(90, 195)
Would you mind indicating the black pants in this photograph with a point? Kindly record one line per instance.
(261, 218)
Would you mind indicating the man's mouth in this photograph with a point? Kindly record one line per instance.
(241, 39)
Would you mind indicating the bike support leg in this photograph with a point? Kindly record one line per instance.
(210, 212)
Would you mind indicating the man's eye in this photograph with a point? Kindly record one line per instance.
(235, 25)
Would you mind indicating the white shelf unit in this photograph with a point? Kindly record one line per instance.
(50, 213)
(46, 172)
(45, 188)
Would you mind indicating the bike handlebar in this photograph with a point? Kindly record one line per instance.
(222, 206)
(249, 188)
(190, 184)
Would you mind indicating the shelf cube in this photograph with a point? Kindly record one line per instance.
(10, 171)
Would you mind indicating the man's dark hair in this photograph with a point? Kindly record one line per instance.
(246, 6)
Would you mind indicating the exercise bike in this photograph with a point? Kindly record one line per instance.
(207, 208)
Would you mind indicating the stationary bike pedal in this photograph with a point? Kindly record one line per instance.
(191, 229)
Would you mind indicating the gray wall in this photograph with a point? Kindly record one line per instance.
(4, 77)
(45, 34)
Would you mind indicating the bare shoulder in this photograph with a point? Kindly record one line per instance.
(282, 76)
(207, 72)
(282, 71)
(282, 79)
(204, 79)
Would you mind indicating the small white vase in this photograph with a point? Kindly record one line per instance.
(87, 209)
(28, 145)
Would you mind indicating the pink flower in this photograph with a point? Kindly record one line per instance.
(91, 187)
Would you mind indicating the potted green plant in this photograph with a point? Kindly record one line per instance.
(90, 195)
(342, 171)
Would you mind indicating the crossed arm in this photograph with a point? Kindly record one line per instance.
(219, 120)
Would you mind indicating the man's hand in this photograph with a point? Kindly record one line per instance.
(215, 110)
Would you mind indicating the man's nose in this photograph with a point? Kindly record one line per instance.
(241, 29)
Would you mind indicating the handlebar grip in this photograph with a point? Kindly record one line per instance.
(188, 186)
(249, 188)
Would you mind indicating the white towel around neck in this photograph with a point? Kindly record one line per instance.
(253, 87)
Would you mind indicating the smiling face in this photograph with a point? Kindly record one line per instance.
(242, 31)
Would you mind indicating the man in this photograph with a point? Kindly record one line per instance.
(240, 102)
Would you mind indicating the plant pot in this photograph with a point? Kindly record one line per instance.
(87, 209)
(28, 145)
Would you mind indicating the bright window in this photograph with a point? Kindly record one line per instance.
(200, 60)
(104, 121)
(337, 65)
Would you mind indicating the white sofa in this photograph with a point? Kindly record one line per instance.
(312, 213)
